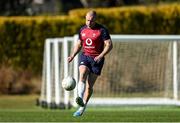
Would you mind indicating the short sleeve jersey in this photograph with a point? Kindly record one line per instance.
(93, 39)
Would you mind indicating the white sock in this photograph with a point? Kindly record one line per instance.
(82, 109)
(81, 89)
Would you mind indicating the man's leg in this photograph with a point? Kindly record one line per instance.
(88, 92)
(83, 70)
(89, 87)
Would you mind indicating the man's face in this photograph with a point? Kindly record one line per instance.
(90, 21)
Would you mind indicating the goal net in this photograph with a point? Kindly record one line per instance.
(140, 70)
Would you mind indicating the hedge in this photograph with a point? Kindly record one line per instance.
(22, 38)
(162, 19)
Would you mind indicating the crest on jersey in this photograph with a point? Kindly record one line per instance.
(83, 34)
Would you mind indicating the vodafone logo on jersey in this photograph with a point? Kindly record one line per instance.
(88, 41)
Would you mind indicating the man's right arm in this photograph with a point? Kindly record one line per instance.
(76, 49)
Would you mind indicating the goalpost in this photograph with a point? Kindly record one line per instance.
(55, 68)
(140, 70)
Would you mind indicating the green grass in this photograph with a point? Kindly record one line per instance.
(23, 109)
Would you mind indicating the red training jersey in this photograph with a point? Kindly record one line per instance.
(93, 39)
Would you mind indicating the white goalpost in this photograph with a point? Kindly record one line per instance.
(140, 70)
(55, 68)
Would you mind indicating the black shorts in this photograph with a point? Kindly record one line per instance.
(89, 62)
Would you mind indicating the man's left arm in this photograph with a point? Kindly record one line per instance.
(107, 48)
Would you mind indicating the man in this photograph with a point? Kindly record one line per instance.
(95, 41)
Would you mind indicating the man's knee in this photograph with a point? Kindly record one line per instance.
(83, 72)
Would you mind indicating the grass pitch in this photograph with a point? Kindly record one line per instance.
(23, 109)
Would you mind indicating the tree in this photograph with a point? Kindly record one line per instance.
(107, 3)
(14, 7)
